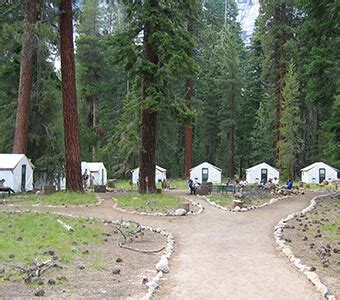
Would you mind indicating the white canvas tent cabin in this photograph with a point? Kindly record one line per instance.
(17, 170)
(98, 173)
(160, 175)
(318, 172)
(261, 172)
(206, 172)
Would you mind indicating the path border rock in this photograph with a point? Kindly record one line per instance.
(286, 249)
(154, 283)
(196, 204)
(244, 209)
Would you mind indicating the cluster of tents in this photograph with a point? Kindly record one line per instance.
(206, 172)
(17, 170)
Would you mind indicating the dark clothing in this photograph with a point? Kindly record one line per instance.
(289, 185)
(7, 189)
(192, 188)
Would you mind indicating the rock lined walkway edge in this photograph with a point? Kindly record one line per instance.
(162, 266)
(244, 209)
(286, 249)
(199, 206)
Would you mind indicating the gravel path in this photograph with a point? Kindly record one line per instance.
(223, 255)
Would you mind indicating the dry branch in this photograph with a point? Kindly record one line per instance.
(126, 230)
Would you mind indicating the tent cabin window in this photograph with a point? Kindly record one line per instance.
(205, 174)
(264, 175)
(23, 178)
(322, 175)
(102, 176)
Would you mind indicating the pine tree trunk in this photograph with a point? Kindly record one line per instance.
(71, 129)
(231, 152)
(25, 82)
(280, 15)
(188, 129)
(188, 134)
(147, 153)
(94, 124)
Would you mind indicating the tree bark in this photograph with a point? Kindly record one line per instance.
(25, 82)
(94, 124)
(147, 154)
(281, 17)
(69, 93)
(232, 130)
(188, 129)
(188, 134)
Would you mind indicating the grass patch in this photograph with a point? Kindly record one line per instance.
(59, 198)
(179, 184)
(332, 230)
(27, 236)
(320, 187)
(149, 202)
(124, 184)
(222, 200)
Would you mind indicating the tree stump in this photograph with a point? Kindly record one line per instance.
(186, 206)
(100, 188)
(48, 189)
(238, 203)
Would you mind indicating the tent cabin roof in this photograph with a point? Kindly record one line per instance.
(261, 164)
(157, 168)
(206, 163)
(312, 166)
(10, 161)
(95, 166)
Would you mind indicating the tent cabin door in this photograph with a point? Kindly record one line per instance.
(264, 175)
(322, 175)
(205, 174)
(23, 178)
(102, 177)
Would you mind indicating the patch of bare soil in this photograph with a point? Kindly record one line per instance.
(315, 238)
(104, 271)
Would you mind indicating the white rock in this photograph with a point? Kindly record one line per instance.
(163, 265)
(243, 209)
(237, 209)
(180, 212)
(152, 285)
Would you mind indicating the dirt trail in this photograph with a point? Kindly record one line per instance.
(222, 255)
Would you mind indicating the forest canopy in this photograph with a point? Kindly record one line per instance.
(181, 71)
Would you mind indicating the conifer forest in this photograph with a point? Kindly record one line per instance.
(137, 83)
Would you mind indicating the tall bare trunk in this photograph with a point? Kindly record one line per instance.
(25, 82)
(188, 134)
(71, 130)
(147, 152)
(280, 15)
(188, 129)
(232, 130)
(94, 124)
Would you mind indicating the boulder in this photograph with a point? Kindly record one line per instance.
(180, 212)
(237, 209)
(237, 203)
(163, 265)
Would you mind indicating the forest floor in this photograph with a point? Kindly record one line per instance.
(316, 238)
(218, 254)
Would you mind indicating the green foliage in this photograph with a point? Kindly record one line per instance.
(262, 135)
(291, 144)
